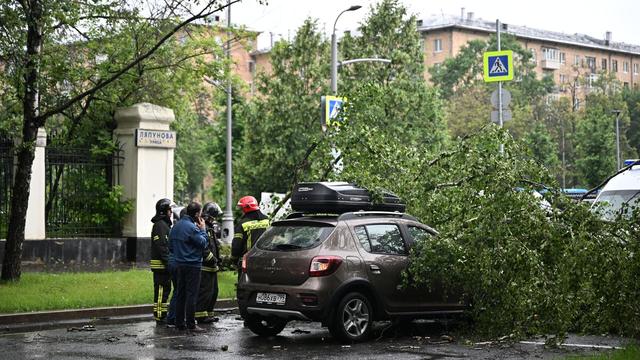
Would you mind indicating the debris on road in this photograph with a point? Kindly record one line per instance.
(113, 339)
(83, 328)
(299, 331)
(224, 347)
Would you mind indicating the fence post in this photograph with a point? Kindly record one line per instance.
(147, 168)
(35, 224)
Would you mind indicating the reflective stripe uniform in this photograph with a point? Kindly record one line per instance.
(208, 292)
(250, 227)
(159, 265)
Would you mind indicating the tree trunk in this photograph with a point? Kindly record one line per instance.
(26, 150)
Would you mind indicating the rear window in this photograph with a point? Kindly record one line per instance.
(293, 237)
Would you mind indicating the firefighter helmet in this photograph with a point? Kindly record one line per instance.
(248, 204)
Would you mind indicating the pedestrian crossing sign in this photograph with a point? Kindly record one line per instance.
(498, 66)
(331, 107)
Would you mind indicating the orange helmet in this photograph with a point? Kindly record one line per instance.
(248, 204)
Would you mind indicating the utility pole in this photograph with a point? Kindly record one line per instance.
(500, 119)
(617, 112)
(227, 217)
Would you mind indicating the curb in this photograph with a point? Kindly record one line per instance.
(48, 319)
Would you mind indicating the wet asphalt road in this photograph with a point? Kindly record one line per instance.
(228, 339)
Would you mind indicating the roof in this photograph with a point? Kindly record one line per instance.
(580, 40)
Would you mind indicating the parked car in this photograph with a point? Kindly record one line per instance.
(621, 193)
(343, 270)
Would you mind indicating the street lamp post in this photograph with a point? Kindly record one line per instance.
(334, 51)
(617, 112)
(227, 216)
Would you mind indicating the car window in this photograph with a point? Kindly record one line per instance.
(296, 237)
(381, 239)
(419, 234)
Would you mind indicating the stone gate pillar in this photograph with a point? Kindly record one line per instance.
(35, 222)
(147, 172)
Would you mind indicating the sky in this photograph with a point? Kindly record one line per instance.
(594, 18)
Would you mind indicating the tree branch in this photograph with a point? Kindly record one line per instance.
(40, 120)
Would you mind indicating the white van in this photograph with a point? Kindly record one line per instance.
(620, 194)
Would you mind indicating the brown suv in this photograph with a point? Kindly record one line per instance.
(342, 270)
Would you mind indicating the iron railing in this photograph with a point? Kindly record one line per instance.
(6, 181)
(77, 186)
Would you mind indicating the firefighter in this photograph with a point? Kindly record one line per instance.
(159, 262)
(249, 228)
(208, 293)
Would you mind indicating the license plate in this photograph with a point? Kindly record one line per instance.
(271, 298)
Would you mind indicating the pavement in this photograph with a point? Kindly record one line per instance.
(40, 320)
(142, 338)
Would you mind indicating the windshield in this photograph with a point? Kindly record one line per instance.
(612, 203)
(294, 237)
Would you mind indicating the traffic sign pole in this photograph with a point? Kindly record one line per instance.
(501, 122)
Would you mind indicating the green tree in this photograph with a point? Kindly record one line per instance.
(282, 121)
(542, 147)
(410, 109)
(595, 138)
(632, 98)
(36, 40)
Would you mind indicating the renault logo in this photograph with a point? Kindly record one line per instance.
(273, 262)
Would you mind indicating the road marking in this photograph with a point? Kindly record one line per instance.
(575, 345)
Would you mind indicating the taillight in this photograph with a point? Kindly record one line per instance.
(244, 263)
(324, 265)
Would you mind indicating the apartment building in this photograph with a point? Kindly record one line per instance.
(565, 57)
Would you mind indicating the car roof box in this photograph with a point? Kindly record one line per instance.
(340, 197)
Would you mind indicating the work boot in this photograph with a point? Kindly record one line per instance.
(196, 330)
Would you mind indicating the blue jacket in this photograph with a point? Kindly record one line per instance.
(187, 241)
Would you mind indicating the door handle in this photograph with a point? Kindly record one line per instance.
(375, 269)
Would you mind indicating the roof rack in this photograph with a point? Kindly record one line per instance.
(297, 215)
(357, 214)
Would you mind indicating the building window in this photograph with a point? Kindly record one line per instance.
(625, 67)
(576, 60)
(533, 55)
(563, 78)
(563, 58)
(437, 45)
(604, 64)
(591, 62)
(592, 80)
(635, 69)
(550, 54)
(614, 65)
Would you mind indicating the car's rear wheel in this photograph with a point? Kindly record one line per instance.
(265, 326)
(353, 318)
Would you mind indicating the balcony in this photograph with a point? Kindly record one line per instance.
(550, 64)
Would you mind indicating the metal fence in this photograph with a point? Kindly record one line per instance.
(78, 186)
(6, 179)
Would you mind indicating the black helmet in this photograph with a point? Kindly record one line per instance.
(162, 206)
(211, 210)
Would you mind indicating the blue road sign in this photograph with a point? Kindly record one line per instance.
(498, 66)
(331, 106)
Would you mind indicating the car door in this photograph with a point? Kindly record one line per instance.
(384, 252)
(434, 296)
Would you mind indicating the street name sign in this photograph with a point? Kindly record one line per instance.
(155, 138)
(498, 66)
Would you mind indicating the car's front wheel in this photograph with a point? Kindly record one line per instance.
(353, 318)
(265, 326)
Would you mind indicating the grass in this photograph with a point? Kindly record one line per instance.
(632, 352)
(59, 291)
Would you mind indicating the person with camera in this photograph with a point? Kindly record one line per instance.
(187, 240)
(159, 262)
(208, 293)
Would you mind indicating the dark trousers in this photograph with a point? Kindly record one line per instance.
(207, 295)
(171, 315)
(187, 295)
(161, 290)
